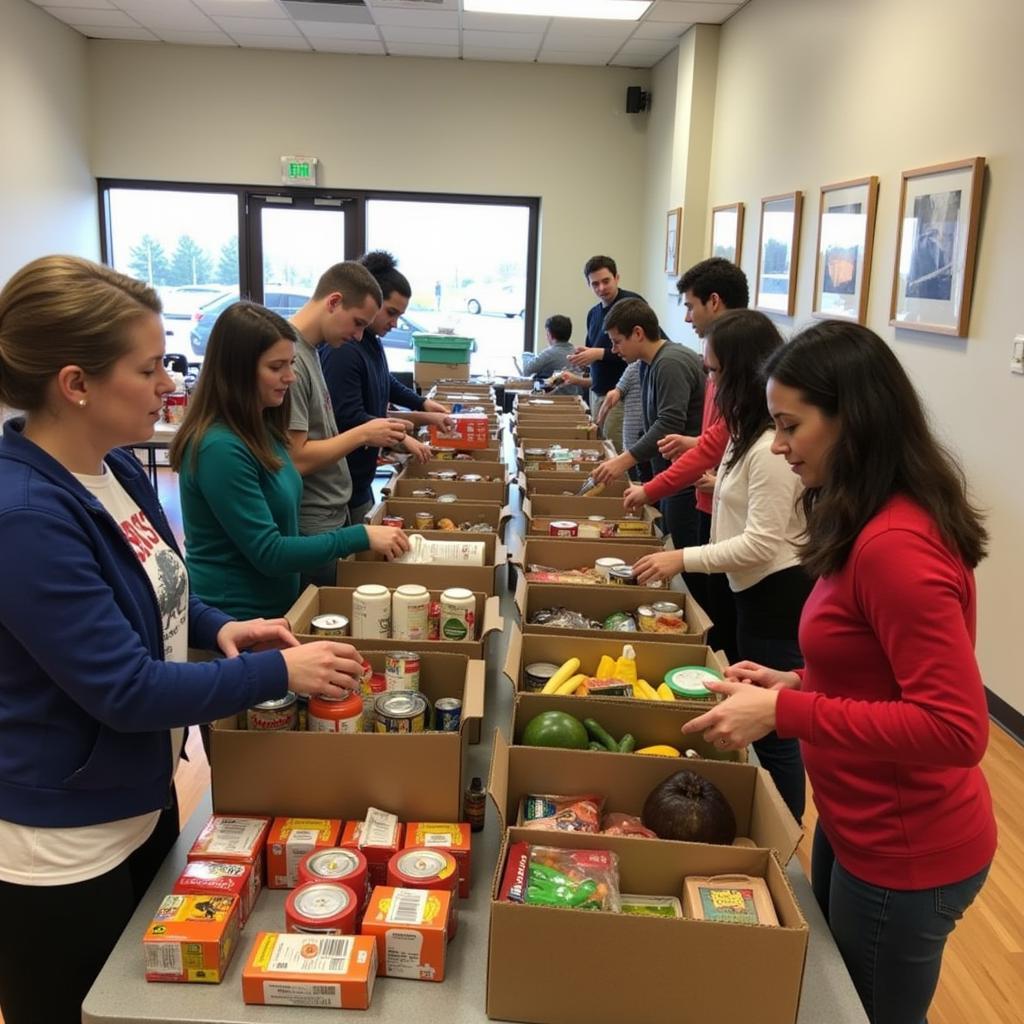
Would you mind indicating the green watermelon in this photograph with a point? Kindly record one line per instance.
(555, 729)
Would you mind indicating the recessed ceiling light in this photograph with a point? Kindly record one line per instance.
(606, 10)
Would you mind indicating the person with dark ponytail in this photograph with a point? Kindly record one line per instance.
(890, 707)
(362, 385)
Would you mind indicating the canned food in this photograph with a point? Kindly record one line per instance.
(370, 690)
(410, 612)
(326, 908)
(328, 715)
(448, 474)
(471, 478)
(537, 674)
(447, 714)
(434, 621)
(646, 619)
(367, 672)
(604, 565)
(423, 868)
(402, 670)
(302, 703)
(398, 521)
(401, 711)
(668, 617)
(371, 612)
(329, 625)
(458, 614)
(425, 492)
(622, 574)
(174, 407)
(564, 528)
(340, 865)
(273, 715)
(424, 520)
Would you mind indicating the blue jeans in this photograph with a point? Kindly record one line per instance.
(891, 940)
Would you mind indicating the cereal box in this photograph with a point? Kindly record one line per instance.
(234, 839)
(220, 878)
(290, 839)
(451, 836)
(469, 430)
(411, 929)
(191, 938)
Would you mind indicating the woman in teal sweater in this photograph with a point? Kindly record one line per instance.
(240, 491)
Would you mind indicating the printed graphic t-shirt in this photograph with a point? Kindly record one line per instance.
(62, 856)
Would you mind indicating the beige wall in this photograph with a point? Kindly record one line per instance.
(817, 91)
(561, 133)
(47, 195)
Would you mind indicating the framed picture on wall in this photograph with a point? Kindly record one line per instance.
(777, 248)
(846, 235)
(727, 232)
(936, 247)
(673, 223)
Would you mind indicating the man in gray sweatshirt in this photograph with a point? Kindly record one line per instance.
(672, 400)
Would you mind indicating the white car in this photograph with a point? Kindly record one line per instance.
(179, 305)
(495, 298)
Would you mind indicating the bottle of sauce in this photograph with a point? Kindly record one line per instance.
(475, 804)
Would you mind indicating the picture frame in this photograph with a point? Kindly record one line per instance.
(937, 247)
(673, 225)
(778, 248)
(727, 232)
(846, 238)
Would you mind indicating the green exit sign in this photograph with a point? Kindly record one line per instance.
(298, 170)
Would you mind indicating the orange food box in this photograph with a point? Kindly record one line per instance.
(310, 970)
(379, 838)
(290, 839)
(191, 938)
(453, 837)
(470, 430)
(234, 839)
(411, 929)
(220, 878)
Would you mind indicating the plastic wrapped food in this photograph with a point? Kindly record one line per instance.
(572, 879)
(616, 824)
(562, 813)
(562, 618)
(620, 622)
(547, 574)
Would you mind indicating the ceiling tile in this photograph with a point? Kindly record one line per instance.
(180, 21)
(257, 27)
(330, 13)
(582, 44)
(332, 44)
(242, 9)
(196, 38)
(427, 36)
(659, 30)
(79, 17)
(520, 40)
(422, 50)
(262, 42)
(504, 22)
(116, 32)
(96, 5)
(561, 57)
(687, 13)
(498, 53)
(338, 30)
(415, 19)
(648, 47)
(590, 27)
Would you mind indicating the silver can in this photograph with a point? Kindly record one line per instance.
(410, 612)
(371, 612)
(273, 715)
(603, 566)
(458, 614)
(329, 625)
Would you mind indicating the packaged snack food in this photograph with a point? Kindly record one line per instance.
(573, 879)
(562, 813)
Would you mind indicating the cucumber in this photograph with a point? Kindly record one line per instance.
(594, 745)
(627, 744)
(600, 735)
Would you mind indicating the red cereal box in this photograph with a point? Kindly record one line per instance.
(219, 878)
(290, 839)
(470, 430)
(235, 839)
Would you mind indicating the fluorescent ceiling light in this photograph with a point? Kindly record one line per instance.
(607, 10)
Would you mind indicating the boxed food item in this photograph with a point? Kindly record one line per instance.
(378, 837)
(235, 839)
(729, 899)
(455, 837)
(411, 929)
(468, 430)
(191, 938)
(290, 839)
(220, 878)
(310, 970)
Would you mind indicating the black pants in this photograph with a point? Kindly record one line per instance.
(679, 517)
(767, 620)
(37, 920)
(711, 591)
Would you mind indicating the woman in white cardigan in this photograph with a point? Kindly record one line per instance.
(756, 524)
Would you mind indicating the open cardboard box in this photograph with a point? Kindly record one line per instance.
(490, 452)
(418, 776)
(545, 402)
(494, 515)
(575, 553)
(597, 450)
(427, 374)
(570, 432)
(493, 493)
(653, 659)
(555, 966)
(599, 602)
(560, 482)
(493, 468)
(483, 579)
(541, 510)
(650, 722)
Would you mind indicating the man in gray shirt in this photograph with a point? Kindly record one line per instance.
(555, 358)
(672, 403)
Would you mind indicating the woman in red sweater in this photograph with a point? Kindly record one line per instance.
(890, 708)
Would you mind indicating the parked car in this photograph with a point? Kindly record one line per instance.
(179, 305)
(503, 299)
(281, 299)
(401, 335)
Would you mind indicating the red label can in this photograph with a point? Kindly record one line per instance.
(564, 528)
(398, 521)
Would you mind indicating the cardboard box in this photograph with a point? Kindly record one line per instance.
(575, 553)
(569, 433)
(542, 510)
(411, 929)
(484, 491)
(220, 878)
(545, 402)
(653, 659)
(338, 601)
(418, 776)
(191, 938)
(455, 837)
(427, 374)
(377, 849)
(494, 515)
(561, 483)
(290, 839)
(492, 451)
(567, 966)
(469, 430)
(310, 970)
(595, 452)
(496, 470)
(482, 579)
(495, 558)
(599, 602)
(650, 722)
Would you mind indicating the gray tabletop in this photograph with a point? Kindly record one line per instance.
(121, 994)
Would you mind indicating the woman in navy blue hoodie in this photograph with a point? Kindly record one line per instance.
(95, 622)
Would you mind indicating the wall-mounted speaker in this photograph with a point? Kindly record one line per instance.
(637, 99)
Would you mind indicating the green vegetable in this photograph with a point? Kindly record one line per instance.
(627, 744)
(594, 745)
(600, 735)
(555, 729)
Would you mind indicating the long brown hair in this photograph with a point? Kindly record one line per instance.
(62, 311)
(884, 446)
(228, 389)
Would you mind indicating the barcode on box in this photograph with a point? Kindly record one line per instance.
(437, 839)
(407, 906)
(276, 993)
(292, 953)
(234, 835)
(163, 957)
